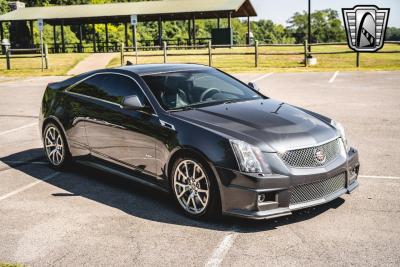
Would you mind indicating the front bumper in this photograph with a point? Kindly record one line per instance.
(240, 192)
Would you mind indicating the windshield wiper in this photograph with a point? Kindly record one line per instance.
(182, 108)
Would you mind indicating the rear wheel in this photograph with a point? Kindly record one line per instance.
(55, 146)
(195, 188)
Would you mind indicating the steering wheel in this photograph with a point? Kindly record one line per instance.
(207, 92)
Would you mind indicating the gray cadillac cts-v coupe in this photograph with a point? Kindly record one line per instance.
(216, 144)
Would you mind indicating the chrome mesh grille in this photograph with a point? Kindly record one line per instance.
(317, 190)
(306, 157)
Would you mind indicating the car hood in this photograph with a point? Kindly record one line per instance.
(269, 124)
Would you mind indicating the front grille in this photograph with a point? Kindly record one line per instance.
(307, 157)
(317, 190)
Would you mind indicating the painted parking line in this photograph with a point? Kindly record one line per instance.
(13, 193)
(262, 77)
(334, 77)
(19, 128)
(380, 177)
(222, 249)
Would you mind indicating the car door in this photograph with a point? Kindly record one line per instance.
(114, 132)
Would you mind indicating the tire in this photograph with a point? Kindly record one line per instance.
(196, 195)
(56, 147)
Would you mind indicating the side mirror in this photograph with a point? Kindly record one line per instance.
(132, 102)
(254, 86)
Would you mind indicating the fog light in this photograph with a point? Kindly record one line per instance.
(353, 174)
(261, 198)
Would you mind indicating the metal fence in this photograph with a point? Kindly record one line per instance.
(212, 50)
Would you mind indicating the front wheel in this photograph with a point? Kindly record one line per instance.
(195, 188)
(55, 146)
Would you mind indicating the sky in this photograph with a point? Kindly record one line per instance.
(279, 11)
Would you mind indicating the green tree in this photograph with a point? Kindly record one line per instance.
(325, 26)
(392, 34)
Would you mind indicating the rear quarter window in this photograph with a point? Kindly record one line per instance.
(109, 87)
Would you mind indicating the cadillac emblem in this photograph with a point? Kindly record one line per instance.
(319, 156)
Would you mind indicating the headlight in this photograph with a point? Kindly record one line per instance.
(339, 127)
(249, 157)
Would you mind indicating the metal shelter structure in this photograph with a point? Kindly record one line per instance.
(146, 11)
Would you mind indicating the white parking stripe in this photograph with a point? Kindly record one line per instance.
(51, 176)
(220, 252)
(19, 128)
(380, 177)
(334, 77)
(262, 77)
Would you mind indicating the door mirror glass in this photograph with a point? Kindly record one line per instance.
(254, 86)
(132, 102)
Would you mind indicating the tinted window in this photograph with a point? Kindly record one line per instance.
(110, 87)
(176, 90)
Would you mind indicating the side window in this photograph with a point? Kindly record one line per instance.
(110, 87)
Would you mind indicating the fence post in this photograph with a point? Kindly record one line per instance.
(165, 51)
(46, 56)
(209, 54)
(8, 53)
(122, 53)
(305, 53)
(358, 60)
(256, 53)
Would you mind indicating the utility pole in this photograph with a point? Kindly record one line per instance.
(309, 25)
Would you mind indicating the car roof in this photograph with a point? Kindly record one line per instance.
(146, 69)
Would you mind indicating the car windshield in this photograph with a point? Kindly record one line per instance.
(194, 88)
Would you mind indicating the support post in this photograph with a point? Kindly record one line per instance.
(46, 56)
(256, 53)
(159, 31)
(55, 50)
(126, 34)
(134, 36)
(305, 53)
(41, 49)
(230, 26)
(218, 23)
(32, 37)
(8, 54)
(165, 51)
(135, 43)
(106, 28)
(248, 30)
(209, 54)
(1, 32)
(194, 30)
(80, 50)
(94, 38)
(189, 32)
(62, 37)
(358, 60)
(122, 53)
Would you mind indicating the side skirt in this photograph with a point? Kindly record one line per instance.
(119, 172)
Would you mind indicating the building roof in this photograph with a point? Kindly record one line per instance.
(146, 11)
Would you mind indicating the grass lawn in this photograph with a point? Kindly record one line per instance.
(245, 63)
(59, 64)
